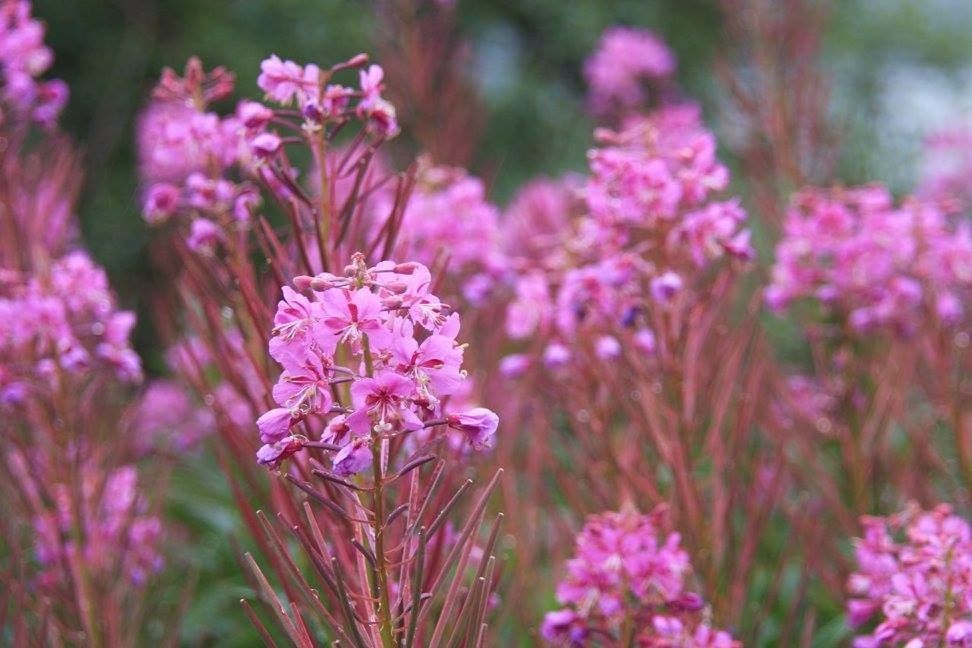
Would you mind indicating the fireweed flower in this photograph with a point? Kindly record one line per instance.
(205, 167)
(64, 319)
(23, 59)
(113, 522)
(628, 581)
(641, 231)
(627, 60)
(190, 159)
(873, 265)
(166, 417)
(71, 494)
(913, 579)
(448, 218)
(368, 356)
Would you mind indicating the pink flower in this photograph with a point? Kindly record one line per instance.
(371, 83)
(556, 355)
(914, 584)
(645, 340)
(433, 365)
(204, 234)
(389, 340)
(607, 347)
(335, 100)
(253, 115)
(478, 424)
(272, 454)
(349, 315)
(265, 145)
(514, 365)
(874, 265)
(382, 402)
(530, 309)
(379, 113)
(353, 457)
(665, 287)
(624, 60)
(161, 202)
(280, 80)
(304, 389)
(626, 571)
(293, 322)
(275, 424)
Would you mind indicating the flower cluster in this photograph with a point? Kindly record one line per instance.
(620, 70)
(321, 102)
(108, 529)
(165, 417)
(628, 580)
(448, 218)
(918, 588)
(367, 357)
(62, 320)
(205, 166)
(871, 264)
(645, 226)
(23, 59)
(187, 156)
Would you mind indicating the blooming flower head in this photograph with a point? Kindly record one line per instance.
(367, 356)
(637, 237)
(63, 319)
(165, 416)
(913, 583)
(619, 71)
(448, 218)
(24, 58)
(628, 573)
(205, 169)
(870, 263)
(113, 533)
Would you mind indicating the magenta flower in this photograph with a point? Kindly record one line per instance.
(514, 365)
(872, 264)
(626, 573)
(353, 457)
(272, 454)
(382, 403)
(293, 323)
(371, 83)
(397, 382)
(265, 145)
(253, 115)
(304, 389)
(161, 202)
(642, 233)
(625, 59)
(204, 235)
(350, 315)
(914, 579)
(275, 424)
(665, 287)
(448, 213)
(479, 424)
(23, 59)
(280, 80)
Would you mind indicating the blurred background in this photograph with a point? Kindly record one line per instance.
(899, 70)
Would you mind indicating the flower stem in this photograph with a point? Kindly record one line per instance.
(378, 525)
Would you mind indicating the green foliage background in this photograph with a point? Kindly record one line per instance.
(527, 61)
